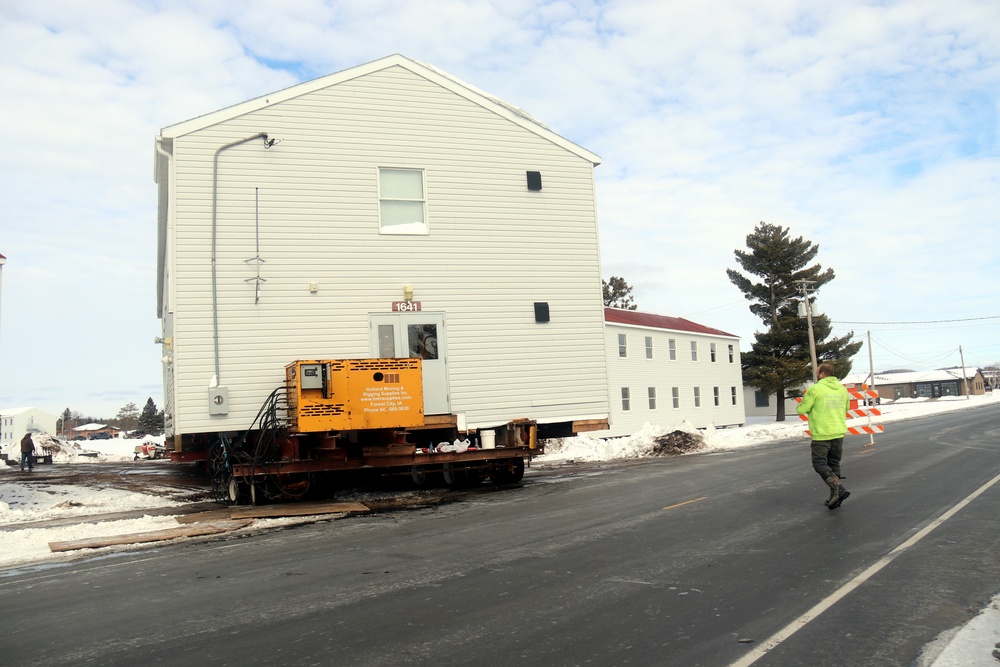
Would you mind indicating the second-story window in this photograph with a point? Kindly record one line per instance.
(402, 207)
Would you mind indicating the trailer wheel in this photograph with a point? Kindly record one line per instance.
(237, 492)
(508, 472)
(257, 496)
(456, 474)
(424, 477)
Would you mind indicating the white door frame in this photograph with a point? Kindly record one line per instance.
(422, 335)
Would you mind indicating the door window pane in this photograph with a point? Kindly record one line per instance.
(386, 341)
(422, 339)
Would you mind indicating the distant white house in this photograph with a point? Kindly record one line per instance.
(15, 422)
(663, 370)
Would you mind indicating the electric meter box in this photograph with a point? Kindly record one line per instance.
(312, 376)
(349, 394)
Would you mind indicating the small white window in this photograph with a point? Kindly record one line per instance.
(694, 350)
(649, 347)
(734, 395)
(715, 395)
(402, 208)
(622, 345)
(712, 351)
(673, 349)
(652, 398)
(626, 403)
(675, 393)
(697, 397)
(731, 354)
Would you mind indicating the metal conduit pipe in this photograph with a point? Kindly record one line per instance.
(215, 206)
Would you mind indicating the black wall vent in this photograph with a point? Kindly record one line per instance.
(541, 311)
(534, 180)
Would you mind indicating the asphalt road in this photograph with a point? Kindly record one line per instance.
(693, 560)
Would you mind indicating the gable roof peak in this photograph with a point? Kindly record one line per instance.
(429, 72)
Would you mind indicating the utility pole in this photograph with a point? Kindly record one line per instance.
(3, 260)
(965, 377)
(807, 306)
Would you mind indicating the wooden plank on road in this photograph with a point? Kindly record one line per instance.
(196, 530)
(295, 509)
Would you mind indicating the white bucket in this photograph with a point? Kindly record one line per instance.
(488, 438)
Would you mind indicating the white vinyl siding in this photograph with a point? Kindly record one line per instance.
(317, 221)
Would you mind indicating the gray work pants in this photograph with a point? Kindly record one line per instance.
(826, 455)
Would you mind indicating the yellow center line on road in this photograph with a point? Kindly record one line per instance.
(686, 502)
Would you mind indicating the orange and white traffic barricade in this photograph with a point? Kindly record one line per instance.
(864, 405)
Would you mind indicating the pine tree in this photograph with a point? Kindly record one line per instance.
(618, 293)
(779, 359)
(151, 421)
(65, 423)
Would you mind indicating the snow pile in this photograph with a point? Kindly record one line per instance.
(80, 451)
(22, 503)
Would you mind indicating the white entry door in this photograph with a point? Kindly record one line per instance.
(421, 335)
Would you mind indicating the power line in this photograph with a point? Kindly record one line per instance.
(967, 319)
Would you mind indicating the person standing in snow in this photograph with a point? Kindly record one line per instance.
(27, 449)
(826, 404)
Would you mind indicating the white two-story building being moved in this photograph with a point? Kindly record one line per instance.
(386, 211)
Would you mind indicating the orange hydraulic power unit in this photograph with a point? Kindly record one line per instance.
(351, 394)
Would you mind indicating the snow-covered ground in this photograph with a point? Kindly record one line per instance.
(23, 501)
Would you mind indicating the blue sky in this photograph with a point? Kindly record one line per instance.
(869, 128)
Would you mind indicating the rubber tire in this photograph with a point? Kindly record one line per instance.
(237, 492)
(456, 474)
(509, 475)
